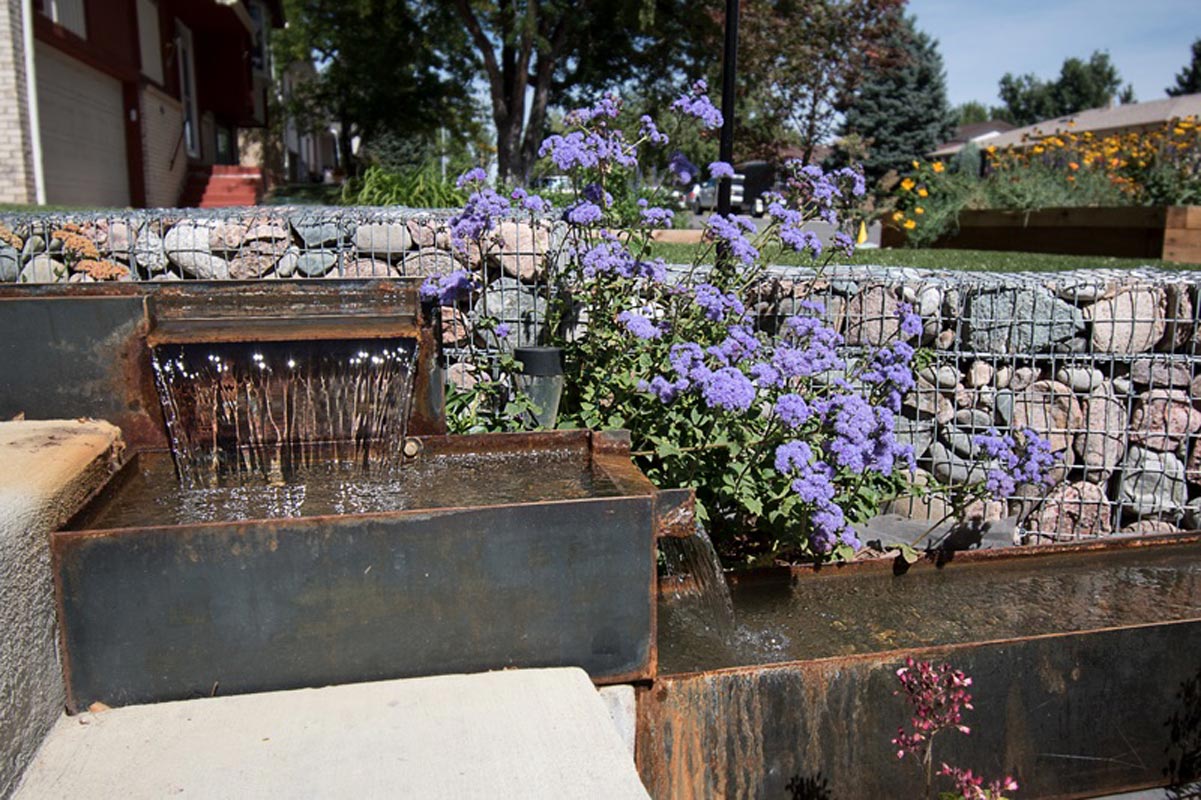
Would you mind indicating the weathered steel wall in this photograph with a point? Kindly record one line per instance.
(170, 613)
(1073, 715)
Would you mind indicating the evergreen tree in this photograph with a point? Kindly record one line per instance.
(900, 110)
(1188, 80)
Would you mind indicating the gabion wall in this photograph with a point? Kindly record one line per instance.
(1104, 363)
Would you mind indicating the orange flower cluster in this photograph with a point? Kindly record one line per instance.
(102, 270)
(10, 238)
(77, 245)
(1125, 158)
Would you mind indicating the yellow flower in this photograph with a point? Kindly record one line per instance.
(917, 164)
(897, 216)
(910, 224)
(919, 210)
(937, 166)
(908, 184)
(922, 192)
(1072, 165)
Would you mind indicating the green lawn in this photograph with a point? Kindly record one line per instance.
(976, 260)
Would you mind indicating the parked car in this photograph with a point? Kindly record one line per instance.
(706, 197)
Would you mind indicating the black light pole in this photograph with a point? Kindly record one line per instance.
(728, 66)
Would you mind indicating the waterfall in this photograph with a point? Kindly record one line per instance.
(694, 575)
(272, 409)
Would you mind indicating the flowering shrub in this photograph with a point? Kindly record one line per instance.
(1064, 169)
(780, 436)
(939, 696)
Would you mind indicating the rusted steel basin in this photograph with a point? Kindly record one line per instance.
(461, 575)
(1086, 664)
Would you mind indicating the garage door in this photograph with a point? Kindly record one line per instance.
(83, 132)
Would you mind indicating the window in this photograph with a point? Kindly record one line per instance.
(187, 88)
(69, 14)
(150, 40)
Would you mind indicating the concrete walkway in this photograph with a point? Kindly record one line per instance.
(514, 734)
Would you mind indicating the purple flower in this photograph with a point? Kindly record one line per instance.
(728, 388)
(479, 216)
(720, 169)
(503, 330)
(651, 132)
(911, 322)
(655, 216)
(765, 375)
(639, 325)
(891, 372)
(593, 193)
(685, 171)
(448, 289)
(715, 303)
(662, 388)
(584, 213)
(1029, 462)
(475, 175)
(792, 409)
(608, 107)
(696, 104)
(731, 231)
(530, 202)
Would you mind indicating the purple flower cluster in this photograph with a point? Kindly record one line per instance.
(696, 104)
(826, 190)
(791, 222)
(720, 169)
(1028, 462)
(480, 213)
(813, 483)
(728, 388)
(585, 213)
(654, 216)
(578, 149)
(684, 170)
(448, 289)
(860, 435)
(809, 347)
(608, 107)
(530, 202)
(732, 231)
(609, 257)
(792, 410)
(715, 302)
(640, 326)
(651, 132)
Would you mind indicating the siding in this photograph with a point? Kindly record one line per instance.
(16, 148)
(162, 121)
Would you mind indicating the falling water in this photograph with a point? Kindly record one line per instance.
(693, 575)
(272, 409)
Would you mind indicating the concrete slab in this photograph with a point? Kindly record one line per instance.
(522, 733)
(47, 469)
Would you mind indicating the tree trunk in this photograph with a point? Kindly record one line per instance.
(346, 149)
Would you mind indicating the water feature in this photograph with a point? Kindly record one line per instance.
(274, 409)
(695, 582)
(828, 614)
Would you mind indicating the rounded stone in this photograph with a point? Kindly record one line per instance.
(1161, 374)
(456, 330)
(187, 245)
(315, 264)
(1073, 511)
(872, 317)
(1102, 443)
(43, 269)
(1016, 319)
(1050, 409)
(1150, 527)
(522, 250)
(1162, 418)
(387, 239)
(430, 261)
(1152, 483)
(10, 264)
(509, 301)
(980, 373)
(1132, 321)
(363, 268)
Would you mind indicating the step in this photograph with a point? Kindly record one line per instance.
(540, 733)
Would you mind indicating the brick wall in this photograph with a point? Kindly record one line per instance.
(162, 120)
(16, 154)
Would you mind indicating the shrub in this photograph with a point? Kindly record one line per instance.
(413, 187)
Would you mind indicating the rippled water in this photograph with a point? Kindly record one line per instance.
(151, 495)
(841, 614)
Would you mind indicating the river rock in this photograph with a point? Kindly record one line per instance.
(926, 401)
(1103, 441)
(973, 419)
(430, 261)
(1003, 376)
(1081, 379)
(980, 373)
(917, 434)
(961, 442)
(423, 232)
(946, 340)
(286, 266)
(148, 253)
(1180, 319)
(1073, 511)
(314, 264)
(187, 247)
(246, 266)
(1019, 320)
(1150, 527)
(1081, 290)
(928, 301)
(364, 268)
(43, 269)
(523, 249)
(387, 239)
(456, 330)
(1122, 386)
(944, 377)
(1022, 378)
(315, 232)
(927, 506)
(507, 300)
(872, 317)
(34, 244)
(953, 469)
(1161, 374)
(226, 235)
(1050, 409)
(1132, 321)
(10, 263)
(462, 376)
(1152, 483)
(1162, 418)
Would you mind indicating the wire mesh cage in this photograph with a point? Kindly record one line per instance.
(1102, 363)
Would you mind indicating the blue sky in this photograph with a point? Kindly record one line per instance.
(1148, 40)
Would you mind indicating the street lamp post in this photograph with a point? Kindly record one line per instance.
(728, 68)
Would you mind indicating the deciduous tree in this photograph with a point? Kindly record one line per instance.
(1188, 80)
(1081, 85)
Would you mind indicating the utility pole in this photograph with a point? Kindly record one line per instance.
(728, 67)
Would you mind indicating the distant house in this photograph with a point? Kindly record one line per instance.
(1102, 122)
(981, 134)
(133, 102)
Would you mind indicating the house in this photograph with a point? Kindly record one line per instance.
(133, 102)
(981, 134)
(1102, 122)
